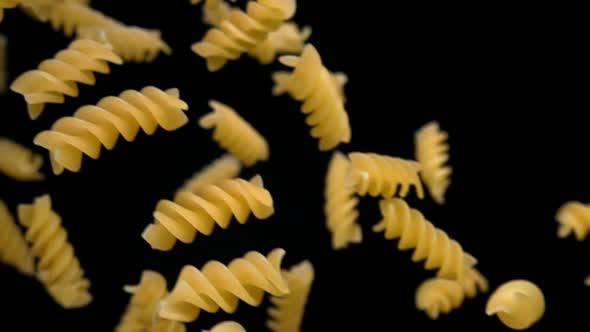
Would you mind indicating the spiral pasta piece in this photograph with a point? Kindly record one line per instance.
(18, 162)
(312, 83)
(573, 217)
(225, 167)
(518, 304)
(215, 204)
(92, 126)
(217, 286)
(242, 31)
(287, 312)
(235, 134)
(214, 11)
(14, 250)
(340, 203)
(228, 326)
(58, 268)
(432, 152)
(287, 39)
(57, 77)
(429, 243)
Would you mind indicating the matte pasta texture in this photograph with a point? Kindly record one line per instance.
(14, 250)
(58, 268)
(287, 39)
(287, 312)
(311, 83)
(573, 217)
(18, 162)
(235, 134)
(217, 286)
(225, 167)
(518, 304)
(95, 125)
(58, 77)
(432, 152)
(215, 11)
(215, 204)
(228, 326)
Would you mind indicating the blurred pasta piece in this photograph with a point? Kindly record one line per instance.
(19, 162)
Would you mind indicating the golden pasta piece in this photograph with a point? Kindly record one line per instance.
(287, 312)
(215, 11)
(228, 326)
(226, 167)
(14, 250)
(573, 217)
(380, 175)
(242, 31)
(311, 83)
(217, 286)
(235, 134)
(518, 304)
(59, 76)
(6, 4)
(429, 243)
(18, 162)
(340, 203)
(215, 204)
(92, 126)
(432, 152)
(58, 268)
(3, 73)
(286, 39)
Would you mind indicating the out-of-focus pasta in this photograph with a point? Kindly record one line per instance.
(14, 250)
(18, 162)
(432, 152)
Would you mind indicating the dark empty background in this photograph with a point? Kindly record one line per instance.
(495, 79)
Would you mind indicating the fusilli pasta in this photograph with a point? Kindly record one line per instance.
(432, 152)
(286, 39)
(18, 162)
(573, 217)
(14, 250)
(225, 167)
(518, 304)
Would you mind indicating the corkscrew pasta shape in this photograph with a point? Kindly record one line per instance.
(518, 304)
(18, 162)
(573, 217)
(432, 152)
(59, 76)
(288, 38)
(225, 167)
(217, 286)
(214, 11)
(58, 268)
(14, 250)
(215, 204)
(228, 326)
(95, 125)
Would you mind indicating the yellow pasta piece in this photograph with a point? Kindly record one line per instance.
(380, 175)
(217, 286)
(215, 11)
(6, 4)
(235, 134)
(3, 73)
(518, 304)
(312, 83)
(286, 39)
(18, 162)
(242, 31)
(340, 203)
(429, 243)
(58, 268)
(190, 214)
(14, 250)
(226, 167)
(573, 217)
(287, 312)
(432, 152)
(227, 326)
(92, 126)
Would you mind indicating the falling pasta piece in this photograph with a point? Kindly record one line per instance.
(226, 167)
(432, 152)
(18, 162)
(227, 326)
(518, 304)
(215, 11)
(573, 217)
(14, 250)
(287, 39)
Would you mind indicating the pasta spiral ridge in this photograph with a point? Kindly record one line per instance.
(227, 326)
(432, 152)
(18, 162)
(518, 304)
(190, 214)
(573, 217)
(14, 250)
(225, 167)
(217, 286)
(94, 125)
(54, 78)
(288, 38)
(58, 268)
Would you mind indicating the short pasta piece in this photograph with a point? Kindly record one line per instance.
(18, 162)
(14, 250)
(518, 304)
(214, 11)
(288, 38)
(225, 167)
(432, 152)
(227, 326)
(573, 217)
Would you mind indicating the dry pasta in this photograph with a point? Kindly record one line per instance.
(288, 38)
(227, 326)
(573, 217)
(92, 126)
(217, 286)
(58, 268)
(518, 304)
(225, 167)
(18, 162)
(432, 152)
(14, 250)
(215, 11)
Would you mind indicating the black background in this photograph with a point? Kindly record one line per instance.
(495, 79)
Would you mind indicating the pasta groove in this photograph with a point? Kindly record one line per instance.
(225, 167)
(573, 217)
(227, 326)
(14, 250)
(92, 126)
(18, 162)
(518, 304)
(432, 152)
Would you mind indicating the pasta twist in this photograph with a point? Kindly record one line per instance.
(235, 134)
(518, 304)
(14, 250)
(287, 313)
(226, 167)
(311, 83)
(214, 11)
(432, 152)
(381, 175)
(430, 243)
(18, 162)
(242, 31)
(573, 217)
(92, 126)
(228, 326)
(59, 76)
(6, 4)
(190, 213)
(286, 39)
(58, 268)
(217, 286)
(340, 203)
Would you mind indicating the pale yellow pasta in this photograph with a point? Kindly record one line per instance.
(217, 286)
(58, 268)
(225, 167)
(518, 304)
(215, 11)
(573, 217)
(288, 38)
(432, 152)
(94, 125)
(18, 162)
(235, 134)
(311, 83)
(6, 4)
(3, 73)
(14, 250)
(340, 203)
(287, 312)
(54, 78)
(215, 204)
(227, 326)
